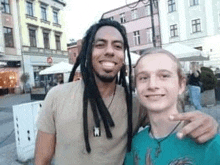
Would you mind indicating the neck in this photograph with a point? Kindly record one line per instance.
(106, 89)
(161, 125)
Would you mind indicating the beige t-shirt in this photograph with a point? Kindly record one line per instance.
(61, 114)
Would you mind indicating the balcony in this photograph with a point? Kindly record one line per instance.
(45, 21)
(31, 17)
(42, 52)
(57, 25)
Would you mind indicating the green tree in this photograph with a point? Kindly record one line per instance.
(208, 78)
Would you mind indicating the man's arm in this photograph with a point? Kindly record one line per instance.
(44, 148)
(200, 126)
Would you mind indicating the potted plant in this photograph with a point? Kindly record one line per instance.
(209, 83)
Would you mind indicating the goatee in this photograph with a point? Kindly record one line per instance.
(105, 78)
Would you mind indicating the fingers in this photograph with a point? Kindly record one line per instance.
(200, 126)
(187, 116)
(203, 138)
(192, 129)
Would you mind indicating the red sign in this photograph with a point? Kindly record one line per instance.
(49, 60)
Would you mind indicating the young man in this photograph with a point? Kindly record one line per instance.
(160, 81)
(90, 121)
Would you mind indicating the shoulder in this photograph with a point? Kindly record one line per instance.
(141, 133)
(212, 153)
(214, 143)
(66, 88)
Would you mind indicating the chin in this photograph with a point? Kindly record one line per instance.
(154, 107)
(106, 78)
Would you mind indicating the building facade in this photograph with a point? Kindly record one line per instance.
(42, 36)
(74, 49)
(195, 23)
(10, 52)
(136, 18)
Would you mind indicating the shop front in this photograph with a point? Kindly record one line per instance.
(9, 76)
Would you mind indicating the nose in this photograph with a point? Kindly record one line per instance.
(109, 50)
(152, 83)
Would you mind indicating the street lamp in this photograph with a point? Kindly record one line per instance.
(146, 2)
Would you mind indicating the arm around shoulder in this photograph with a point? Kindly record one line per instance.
(44, 148)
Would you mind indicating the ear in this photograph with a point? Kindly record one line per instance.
(182, 85)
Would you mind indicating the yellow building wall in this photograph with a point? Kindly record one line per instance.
(39, 33)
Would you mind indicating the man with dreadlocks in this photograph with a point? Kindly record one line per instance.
(90, 121)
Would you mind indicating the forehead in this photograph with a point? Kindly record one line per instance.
(156, 62)
(108, 33)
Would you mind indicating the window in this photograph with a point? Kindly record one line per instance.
(30, 9)
(122, 17)
(194, 2)
(171, 6)
(32, 36)
(136, 38)
(55, 16)
(8, 37)
(57, 40)
(134, 14)
(44, 12)
(147, 9)
(173, 30)
(5, 6)
(46, 40)
(149, 35)
(196, 26)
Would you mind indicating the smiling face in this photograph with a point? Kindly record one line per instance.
(157, 82)
(108, 53)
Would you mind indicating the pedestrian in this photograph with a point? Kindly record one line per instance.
(194, 86)
(90, 121)
(159, 82)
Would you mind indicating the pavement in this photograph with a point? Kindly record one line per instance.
(8, 153)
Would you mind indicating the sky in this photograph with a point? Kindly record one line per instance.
(81, 14)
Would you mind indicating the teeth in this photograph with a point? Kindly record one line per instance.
(155, 96)
(108, 64)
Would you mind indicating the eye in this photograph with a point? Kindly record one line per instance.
(143, 78)
(99, 45)
(118, 46)
(164, 76)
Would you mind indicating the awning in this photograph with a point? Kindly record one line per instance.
(61, 67)
(186, 53)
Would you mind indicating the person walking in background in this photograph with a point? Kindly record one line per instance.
(194, 86)
(159, 82)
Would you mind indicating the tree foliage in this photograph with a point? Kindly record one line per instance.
(208, 78)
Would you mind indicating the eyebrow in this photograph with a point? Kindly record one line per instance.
(103, 40)
(162, 70)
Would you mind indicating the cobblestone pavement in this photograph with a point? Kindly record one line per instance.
(8, 153)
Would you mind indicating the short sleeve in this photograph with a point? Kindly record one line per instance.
(212, 155)
(46, 116)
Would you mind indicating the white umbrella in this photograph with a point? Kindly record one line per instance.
(134, 58)
(61, 67)
(182, 51)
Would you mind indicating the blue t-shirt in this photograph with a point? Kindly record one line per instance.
(173, 151)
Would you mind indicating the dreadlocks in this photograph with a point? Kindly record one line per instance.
(91, 93)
